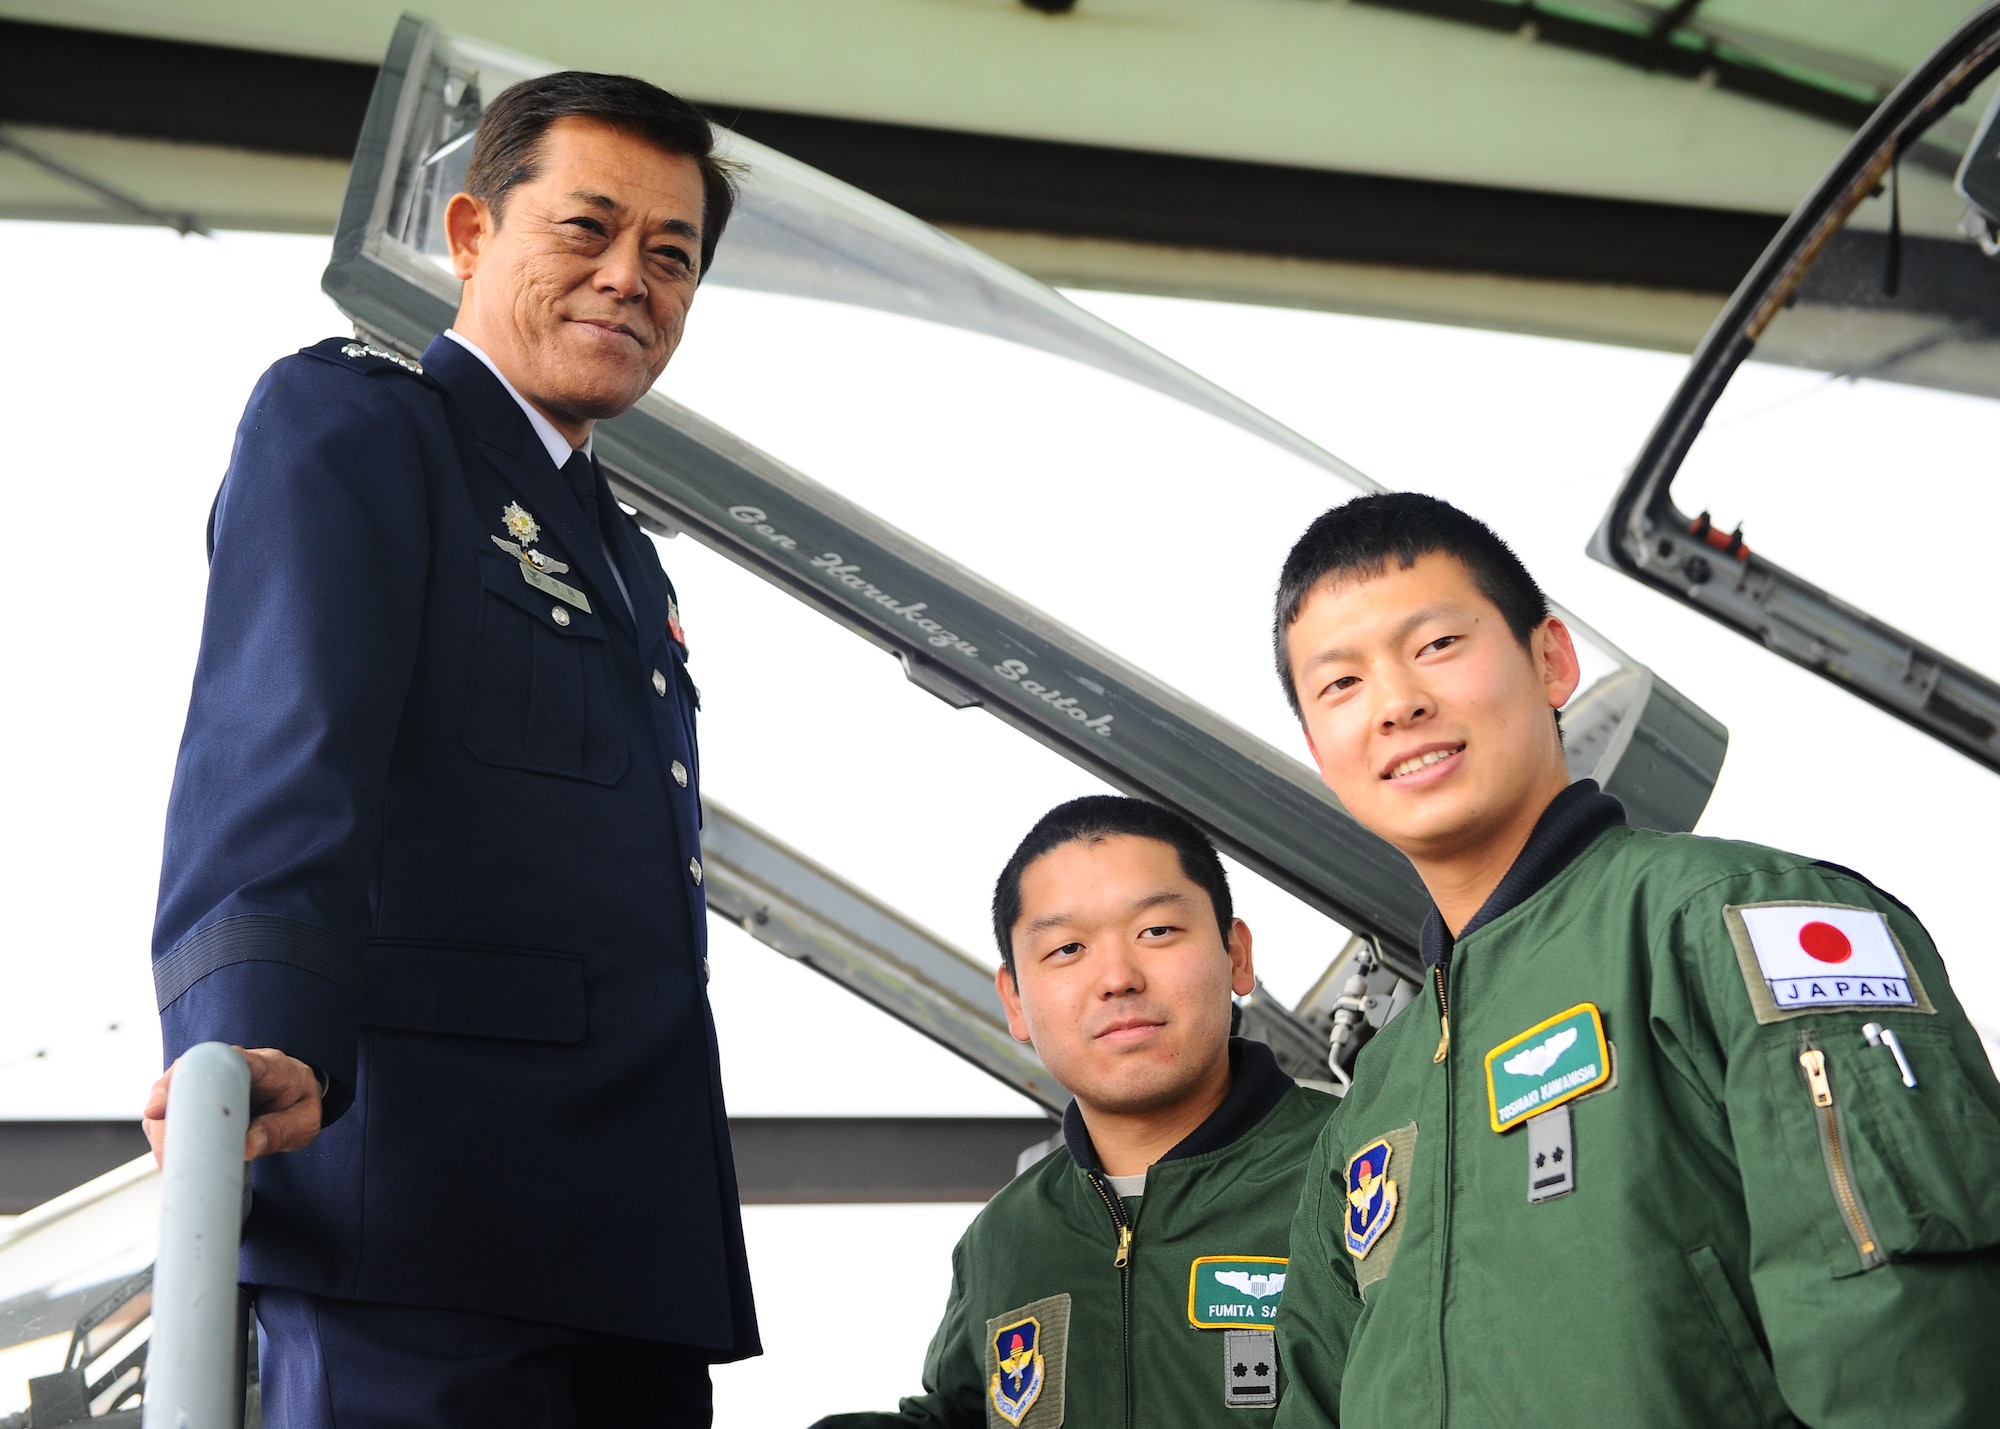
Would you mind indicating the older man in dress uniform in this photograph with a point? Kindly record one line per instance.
(433, 855)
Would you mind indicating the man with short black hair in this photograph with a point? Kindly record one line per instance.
(433, 854)
(1131, 1276)
(1699, 1134)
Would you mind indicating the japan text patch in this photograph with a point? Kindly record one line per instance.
(1799, 958)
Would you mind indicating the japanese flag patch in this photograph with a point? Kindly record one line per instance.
(1800, 958)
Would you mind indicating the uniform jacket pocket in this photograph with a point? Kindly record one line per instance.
(541, 691)
(1924, 1154)
(465, 990)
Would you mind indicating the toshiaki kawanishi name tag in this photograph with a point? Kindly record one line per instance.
(1555, 1061)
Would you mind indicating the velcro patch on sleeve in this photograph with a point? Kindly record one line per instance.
(1027, 1365)
(1799, 958)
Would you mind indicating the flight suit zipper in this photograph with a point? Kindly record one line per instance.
(1444, 1017)
(1122, 1259)
(1438, 1058)
(1833, 1150)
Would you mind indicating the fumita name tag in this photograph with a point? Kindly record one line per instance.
(1551, 1063)
(1227, 1292)
(555, 587)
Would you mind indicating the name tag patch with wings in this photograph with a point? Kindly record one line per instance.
(1555, 1061)
(1229, 1292)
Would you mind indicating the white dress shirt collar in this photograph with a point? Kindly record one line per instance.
(557, 444)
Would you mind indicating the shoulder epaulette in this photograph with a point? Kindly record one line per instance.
(365, 356)
(361, 350)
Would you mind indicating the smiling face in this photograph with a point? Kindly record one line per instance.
(1122, 977)
(579, 290)
(1427, 718)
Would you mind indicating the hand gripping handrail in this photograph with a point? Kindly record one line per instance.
(194, 1369)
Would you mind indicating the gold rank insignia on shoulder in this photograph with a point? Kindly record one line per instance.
(368, 349)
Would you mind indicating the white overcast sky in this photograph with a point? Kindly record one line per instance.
(131, 351)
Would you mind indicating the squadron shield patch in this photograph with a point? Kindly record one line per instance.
(1371, 1197)
(1025, 1354)
(1799, 958)
(1019, 1382)
(1381, 1255)
(1557, 1060)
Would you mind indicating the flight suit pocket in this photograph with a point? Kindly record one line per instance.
(1924, 1155)
(541, 689)
(1759, 1382)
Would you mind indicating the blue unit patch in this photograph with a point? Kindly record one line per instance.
(1371, 1197)
(1018, 1349)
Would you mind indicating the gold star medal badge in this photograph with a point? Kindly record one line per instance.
(537, 568)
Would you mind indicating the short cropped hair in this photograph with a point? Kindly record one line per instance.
(1360, 537)
(1093, 819)
(507, 150)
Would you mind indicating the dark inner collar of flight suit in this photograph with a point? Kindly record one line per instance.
(1256, 1084)
(1570, 824)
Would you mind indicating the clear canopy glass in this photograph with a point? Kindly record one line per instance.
(1009, 438)
(1857, 448)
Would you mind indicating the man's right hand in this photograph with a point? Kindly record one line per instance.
(284, 1106)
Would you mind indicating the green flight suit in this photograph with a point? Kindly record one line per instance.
(1117, 1344)
(1765, 1225)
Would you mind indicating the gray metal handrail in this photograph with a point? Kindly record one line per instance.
(194, 1368)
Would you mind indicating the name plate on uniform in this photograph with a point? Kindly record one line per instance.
(543, 582)
(1227, 1292)
(1553, 1062)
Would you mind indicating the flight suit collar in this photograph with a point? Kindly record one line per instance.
(514, 449)
(1256, 1085)
(1570, 824)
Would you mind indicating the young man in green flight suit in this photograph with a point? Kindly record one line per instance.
(1132, 1276)
(1686, 1131)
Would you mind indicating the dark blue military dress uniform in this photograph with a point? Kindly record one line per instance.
(435, 830)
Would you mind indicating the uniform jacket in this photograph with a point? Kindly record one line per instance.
(1766, 1226)
(1117, 1342)
(436, 831)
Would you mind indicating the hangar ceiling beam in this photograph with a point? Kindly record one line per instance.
(151, 89)
(1660, 41)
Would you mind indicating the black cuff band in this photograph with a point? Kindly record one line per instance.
(256, 938)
